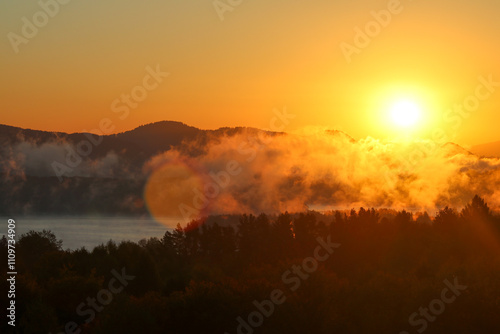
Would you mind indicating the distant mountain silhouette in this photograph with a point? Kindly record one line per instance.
(111, 179)
(487, 150)
(148, 139)
(159, 136)
(39, 191)
(341, 134)
(454, 149)
(138, 145)
(133, 147)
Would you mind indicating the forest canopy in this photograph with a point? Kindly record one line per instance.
(208, 276)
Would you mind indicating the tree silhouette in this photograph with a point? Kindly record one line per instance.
(477, 209)
(202, 277)
(446, 217)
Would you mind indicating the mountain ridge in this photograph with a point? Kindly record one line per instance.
(150, 139)
(489, 150)
(56, 172)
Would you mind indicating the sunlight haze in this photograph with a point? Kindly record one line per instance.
(263, 55)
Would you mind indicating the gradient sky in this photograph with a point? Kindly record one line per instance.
(265, 54)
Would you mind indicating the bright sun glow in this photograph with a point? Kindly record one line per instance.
(405, 113)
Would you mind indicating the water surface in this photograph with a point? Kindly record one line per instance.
(89, 232)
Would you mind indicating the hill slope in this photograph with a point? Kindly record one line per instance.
(487, 150)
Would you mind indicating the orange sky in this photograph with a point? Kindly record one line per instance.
(263, 55)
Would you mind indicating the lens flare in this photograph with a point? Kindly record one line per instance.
(170, 193)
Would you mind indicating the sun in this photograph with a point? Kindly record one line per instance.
(405, 113)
